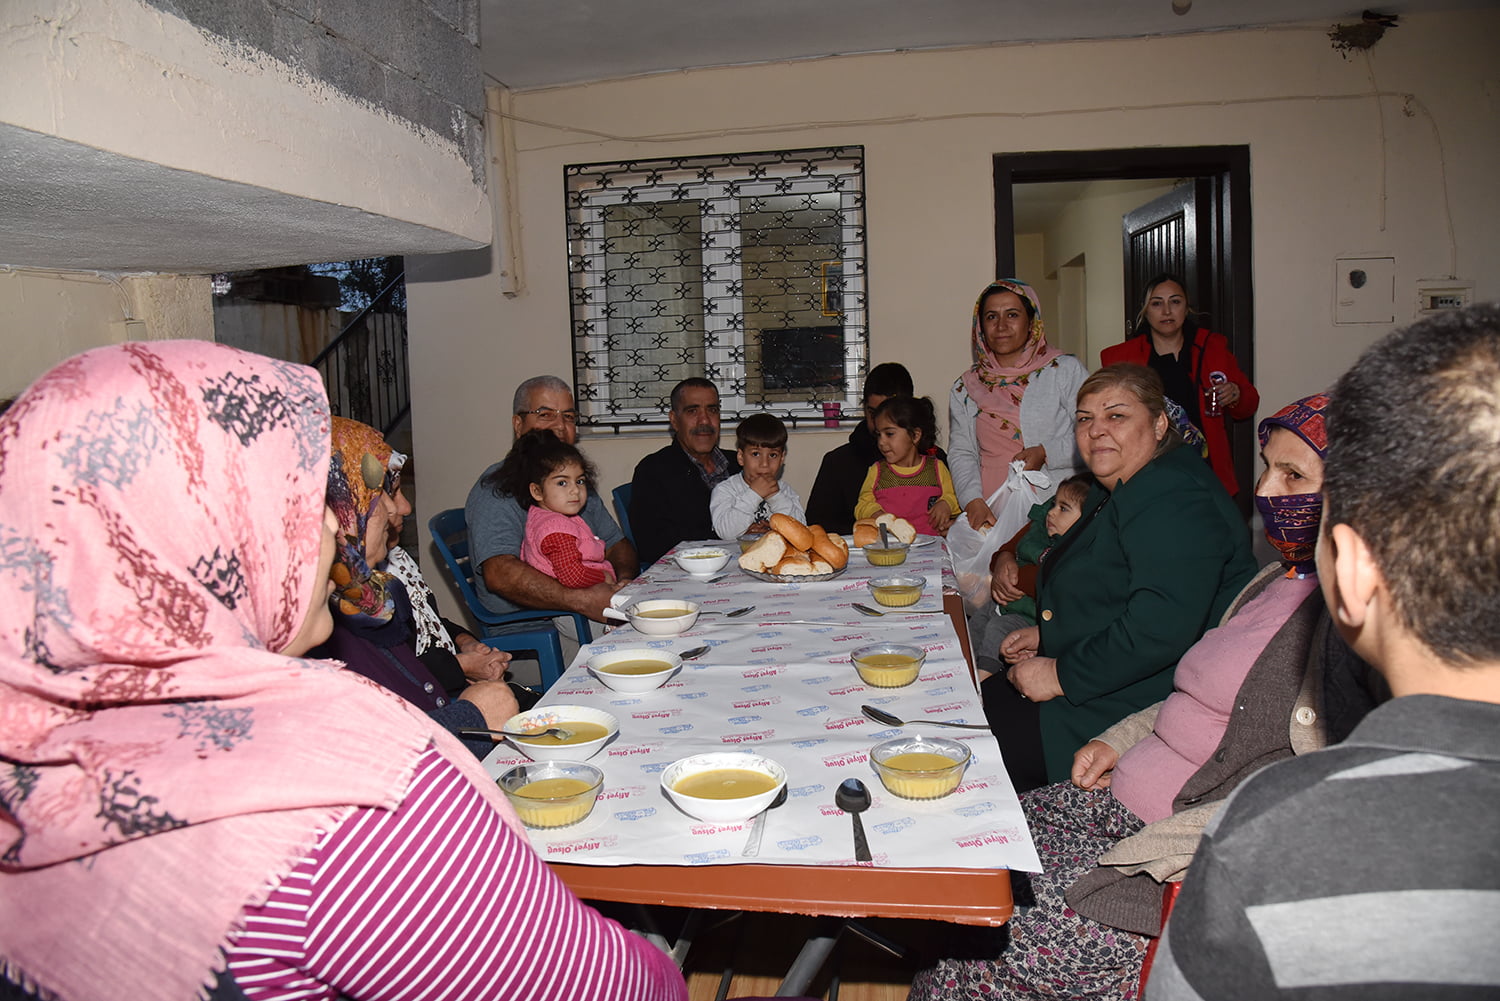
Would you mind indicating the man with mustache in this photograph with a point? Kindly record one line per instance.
(671, 489)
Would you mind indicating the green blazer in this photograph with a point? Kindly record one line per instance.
(1128, 589)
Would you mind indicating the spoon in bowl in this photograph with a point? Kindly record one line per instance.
(886, 719)
(552, 731)
(853, 798)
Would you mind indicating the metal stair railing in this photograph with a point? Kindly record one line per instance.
(365, 368)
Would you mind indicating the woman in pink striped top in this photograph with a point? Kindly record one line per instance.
(190, 808)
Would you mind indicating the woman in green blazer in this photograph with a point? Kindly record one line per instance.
(1155, 559)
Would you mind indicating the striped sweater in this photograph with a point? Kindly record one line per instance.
(1368, 870)
(438, 899)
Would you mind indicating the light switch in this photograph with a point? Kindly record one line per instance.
(1364, 290)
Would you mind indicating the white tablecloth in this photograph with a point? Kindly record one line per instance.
(787, 690)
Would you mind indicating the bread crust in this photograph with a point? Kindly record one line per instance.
(795, 533)
(830, 548)
(865, 532)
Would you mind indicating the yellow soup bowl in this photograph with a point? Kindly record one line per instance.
(552, 793)
(920, 767)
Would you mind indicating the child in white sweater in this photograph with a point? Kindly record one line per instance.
(746, 502)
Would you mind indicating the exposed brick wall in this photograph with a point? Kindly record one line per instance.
(416, 59)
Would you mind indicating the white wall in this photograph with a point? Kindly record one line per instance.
(1333, 172)
(50, 316)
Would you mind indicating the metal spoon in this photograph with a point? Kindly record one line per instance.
(853, 798)
(552, 731)
(694, 653)
(883, 717)
(885, 536)
(758, 827)
(865, 609)
(715, 580)
(731, 615)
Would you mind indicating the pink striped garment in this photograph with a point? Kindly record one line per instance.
(438, 899)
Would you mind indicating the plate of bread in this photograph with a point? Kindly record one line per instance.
(794, 553)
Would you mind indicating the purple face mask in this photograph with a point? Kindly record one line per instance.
(1291, 524)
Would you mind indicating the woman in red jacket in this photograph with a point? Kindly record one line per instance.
(1192, 362)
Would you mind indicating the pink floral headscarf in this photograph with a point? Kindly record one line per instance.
(161, 765)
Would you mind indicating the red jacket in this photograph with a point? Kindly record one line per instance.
(1209, 353)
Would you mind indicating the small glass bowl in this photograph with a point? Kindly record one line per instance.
(536, 807)
(898, 591)
(867, 661)
(886, 556)
(932, 782)
(747, 540)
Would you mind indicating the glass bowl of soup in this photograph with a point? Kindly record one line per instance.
(662, 616)
(748, 539)
(634, 669)
(552, 793)
(888, 665)
(920, 767)
(879, 555)
(897, 591)
(702, 561)
(723, 786)
(589, 730)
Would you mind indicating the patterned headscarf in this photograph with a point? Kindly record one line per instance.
(1291, 522)
(161, 766)
(999, 387)
(363, 469)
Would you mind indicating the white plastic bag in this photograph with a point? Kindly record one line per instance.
(972, 549)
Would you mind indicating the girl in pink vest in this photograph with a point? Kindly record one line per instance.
(909, 481)
(552, 479)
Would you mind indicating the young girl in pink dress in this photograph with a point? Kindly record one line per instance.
(553, 480)
(909, 481)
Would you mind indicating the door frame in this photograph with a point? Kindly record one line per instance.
(1231, 271)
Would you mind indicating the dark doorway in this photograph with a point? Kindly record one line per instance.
(1201, 230)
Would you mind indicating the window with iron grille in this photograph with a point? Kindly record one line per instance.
(747, 269)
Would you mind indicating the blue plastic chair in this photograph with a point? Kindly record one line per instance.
(450, 533)
(621, 494)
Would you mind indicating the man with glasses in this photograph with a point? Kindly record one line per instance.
(672, 486)
(497, 522)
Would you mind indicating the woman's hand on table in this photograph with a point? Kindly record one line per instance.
(1094, 765)
(1034, 457)
(1005, 576)
(979, 514)
(494, 700)
(1021, 645)
(480, 662)
(940, 516)
(1036, 679)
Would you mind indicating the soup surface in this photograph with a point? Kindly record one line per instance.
(663, 613)
(582, 734)
(552, 788)
(715, 555)
(636, 667)
(725, 783)
(919, 761)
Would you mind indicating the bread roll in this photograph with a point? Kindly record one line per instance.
(865, 532)
(795, 533)
(901, 530)
(794, 565)
(820, 566)
(830, 548)
(765, 554)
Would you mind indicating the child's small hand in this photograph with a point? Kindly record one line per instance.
(764, 484)
(940, 516)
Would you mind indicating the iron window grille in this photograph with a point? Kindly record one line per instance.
(747, 269)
